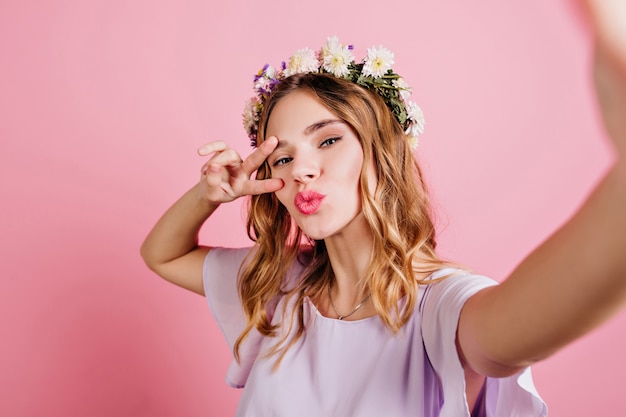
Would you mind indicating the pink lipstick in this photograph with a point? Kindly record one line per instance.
(307, 202)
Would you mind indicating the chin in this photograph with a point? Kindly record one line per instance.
(316, 233)
(322, 234)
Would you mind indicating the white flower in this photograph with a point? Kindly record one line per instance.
(262, 84)
(264, 79)
(416, 116)
(267, 71)
(378, 61)
(413, 130)
(331, 43)
(374, 73)
(336, 59)
(413, 141)
(403, 88)
(251, 114)
(303, 61)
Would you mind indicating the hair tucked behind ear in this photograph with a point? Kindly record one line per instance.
(398, 214)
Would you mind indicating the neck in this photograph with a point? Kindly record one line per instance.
(350, 253)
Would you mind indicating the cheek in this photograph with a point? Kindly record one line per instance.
(281, 195)
(352, 173)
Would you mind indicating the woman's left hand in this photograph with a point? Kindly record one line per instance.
(610, 85)
(608, 18)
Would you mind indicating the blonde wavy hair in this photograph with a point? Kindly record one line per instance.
(398, 214)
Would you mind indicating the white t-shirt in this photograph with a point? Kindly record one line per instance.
(359, 368)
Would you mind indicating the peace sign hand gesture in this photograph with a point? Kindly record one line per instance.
(226, 177)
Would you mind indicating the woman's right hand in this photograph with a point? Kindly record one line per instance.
(226, 176)
(171, 249)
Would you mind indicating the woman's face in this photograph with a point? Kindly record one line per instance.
(319, 159)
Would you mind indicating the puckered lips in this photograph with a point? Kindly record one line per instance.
(308, 202)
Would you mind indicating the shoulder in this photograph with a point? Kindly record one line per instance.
(443, 296)
(441, 304)
(229, 261)
(448, 285)
(221, 257)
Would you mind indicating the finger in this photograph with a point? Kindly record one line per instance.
(213, 175)
(209, 148)
(255, 187)
(226, 158)
(228, 190)
(260, 154)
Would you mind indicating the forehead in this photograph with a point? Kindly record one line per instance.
(294, 113)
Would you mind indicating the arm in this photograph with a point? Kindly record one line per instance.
(171, 248)
(572, 282)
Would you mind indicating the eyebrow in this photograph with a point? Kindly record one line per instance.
(312, 129)
(318, 125)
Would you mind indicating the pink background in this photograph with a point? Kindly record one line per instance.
(103, 104)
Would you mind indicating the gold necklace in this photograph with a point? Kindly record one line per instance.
(341, 317)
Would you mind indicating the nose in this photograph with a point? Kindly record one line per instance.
(304, 170)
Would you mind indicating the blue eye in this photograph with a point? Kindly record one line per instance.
(330, 141)
(281, 161)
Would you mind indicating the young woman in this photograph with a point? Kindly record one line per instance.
(342, 306)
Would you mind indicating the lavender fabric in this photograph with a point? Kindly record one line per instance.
(359, 368)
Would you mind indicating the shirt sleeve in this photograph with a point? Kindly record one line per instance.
(513, 396)
(220, 273)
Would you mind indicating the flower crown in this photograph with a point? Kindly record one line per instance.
(373, 73)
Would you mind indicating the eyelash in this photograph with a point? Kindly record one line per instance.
(325, 143)
(281, 161)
